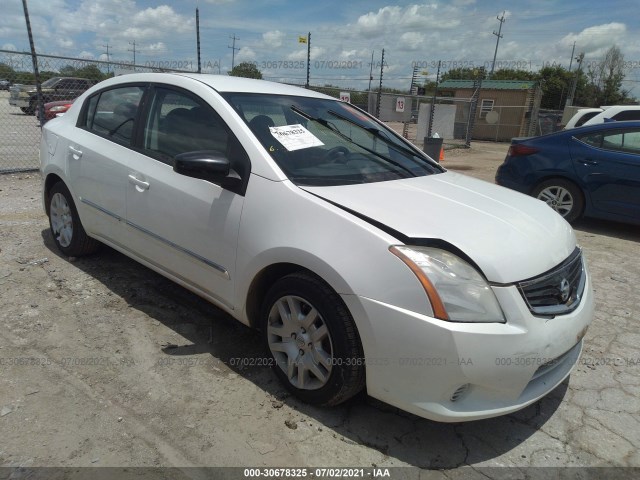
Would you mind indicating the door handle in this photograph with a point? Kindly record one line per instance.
(588, 161)
(75, 153)
(140, 185)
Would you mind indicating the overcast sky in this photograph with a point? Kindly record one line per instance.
(343, 34)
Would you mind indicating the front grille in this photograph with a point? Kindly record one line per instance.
(558, 291)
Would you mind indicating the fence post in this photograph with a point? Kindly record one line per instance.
(433, 103)
(477, 84)
(34, 59)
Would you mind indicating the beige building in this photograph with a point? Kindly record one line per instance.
(505, 108)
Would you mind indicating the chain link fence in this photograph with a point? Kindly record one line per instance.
(456, 120)
(62, 79)
(409, 115)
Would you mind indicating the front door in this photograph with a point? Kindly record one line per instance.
(186, 226)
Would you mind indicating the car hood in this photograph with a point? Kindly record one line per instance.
(510, 236)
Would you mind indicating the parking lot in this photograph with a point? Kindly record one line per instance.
(19, 136)
(106, 363)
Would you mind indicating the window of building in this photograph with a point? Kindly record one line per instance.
(485, 107)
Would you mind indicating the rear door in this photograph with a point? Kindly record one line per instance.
(98, 157)
(608, 163)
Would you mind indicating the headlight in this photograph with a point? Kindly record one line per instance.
(456, 290)
(59, 108)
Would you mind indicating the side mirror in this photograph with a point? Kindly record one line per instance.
(206, 165)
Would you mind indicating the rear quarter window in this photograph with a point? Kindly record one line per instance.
(585, 118)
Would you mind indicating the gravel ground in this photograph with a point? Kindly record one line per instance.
(105, 363)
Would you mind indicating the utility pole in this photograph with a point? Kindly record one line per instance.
(233, 50)
(380, 86)
(574, 83)
(107, 52)
(198, 38)
(563, 87)
(499, 35)
(134, 52)
(573, 50)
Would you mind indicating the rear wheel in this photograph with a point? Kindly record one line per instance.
(312, 340)
(563, 196)
(66, 228)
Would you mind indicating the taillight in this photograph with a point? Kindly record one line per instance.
(520, 150)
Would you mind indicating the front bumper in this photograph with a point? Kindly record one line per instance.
(453, 372)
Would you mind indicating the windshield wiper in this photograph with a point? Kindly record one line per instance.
(376, 133)
(335, 129)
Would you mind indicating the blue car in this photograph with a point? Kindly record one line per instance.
(591, 171)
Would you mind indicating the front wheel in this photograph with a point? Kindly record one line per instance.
(312, 340)
(563, 196)
(66, 228)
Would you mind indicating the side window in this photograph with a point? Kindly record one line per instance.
(112, 113)
(613, 141)
(628, 141)
(593, 139)
(585, 117)
(627, 115)
(179, 123)
(631, 142)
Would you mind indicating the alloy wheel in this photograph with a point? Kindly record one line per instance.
(300, 342)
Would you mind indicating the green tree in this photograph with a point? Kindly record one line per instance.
(7, 72)
(513, 74)
(68, 71)
(92, 72)
(605, 78)
(246, 69)
(555, 82)
(465, 73)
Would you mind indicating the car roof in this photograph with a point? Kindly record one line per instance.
(609, 112)
(626, 124)
(221, 83)
(581, 112)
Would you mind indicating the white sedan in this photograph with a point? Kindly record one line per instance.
(362, 261)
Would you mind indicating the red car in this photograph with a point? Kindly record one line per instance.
(52, 109)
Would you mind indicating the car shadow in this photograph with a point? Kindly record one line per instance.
(623, 231)
(360, 421)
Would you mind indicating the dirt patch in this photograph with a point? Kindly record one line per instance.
(104, 362)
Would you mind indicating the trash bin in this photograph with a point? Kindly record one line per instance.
(432, 147)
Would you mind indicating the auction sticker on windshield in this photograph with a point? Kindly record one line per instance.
(295, 137)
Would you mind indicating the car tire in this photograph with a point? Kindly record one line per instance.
(31, 109)
(66, 228)
(316, 353)
(563, 196)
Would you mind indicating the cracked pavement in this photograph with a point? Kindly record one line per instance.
(125, 368)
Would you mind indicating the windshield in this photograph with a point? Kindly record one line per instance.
(50, 83)
(326, 142)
